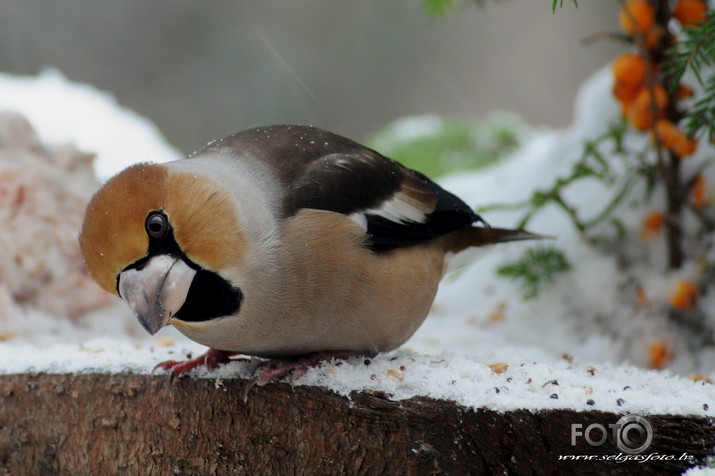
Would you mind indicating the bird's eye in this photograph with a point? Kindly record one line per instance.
(156, 224)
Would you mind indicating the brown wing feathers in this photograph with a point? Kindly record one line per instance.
(478, 236)
(324, 171)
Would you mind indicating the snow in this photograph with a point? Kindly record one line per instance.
(699, 471)
(463, 378)
(579, 345)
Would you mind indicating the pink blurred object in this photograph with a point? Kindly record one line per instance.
(43, 194)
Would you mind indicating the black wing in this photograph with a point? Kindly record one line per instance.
(324, 171)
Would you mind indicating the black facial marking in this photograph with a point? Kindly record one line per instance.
(161, 241)
(210, 296)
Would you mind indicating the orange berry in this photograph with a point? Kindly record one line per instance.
(674, 139)
(625, 93)
(641, 118)
(690, 13)
(684, 145)
(636, 16)
(685, 92)
(659, 354)
(629, 68)
(660, 96)
(667, 132)
(652, 224)
(641, 112)
(699, 191)
(654, 36)
(626, 107)
(684, 295)
(629, 72)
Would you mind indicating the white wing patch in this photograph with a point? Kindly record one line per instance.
(360, 219)
(402, 208)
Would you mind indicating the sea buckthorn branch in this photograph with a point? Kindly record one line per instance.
(592, 164)
(695, 52)
(648, 106)
(641, 18)
(667, 39)
(648, 83)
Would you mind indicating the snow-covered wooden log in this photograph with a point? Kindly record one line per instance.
(140, 424)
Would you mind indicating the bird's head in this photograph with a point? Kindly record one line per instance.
(160, 239)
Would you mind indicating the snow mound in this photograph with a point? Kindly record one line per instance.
(43, 193)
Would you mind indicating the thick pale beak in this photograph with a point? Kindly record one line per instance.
(157, 291)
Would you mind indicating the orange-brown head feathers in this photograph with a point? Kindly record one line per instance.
(200, 211)
(113, 235)
(205, 221)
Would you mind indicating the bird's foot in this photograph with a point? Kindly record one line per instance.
(273, 369)
(211, 359)
(277, 369)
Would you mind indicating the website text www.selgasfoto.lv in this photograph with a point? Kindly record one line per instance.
(623, 458)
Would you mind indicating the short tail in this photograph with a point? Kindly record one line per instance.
(478, 236)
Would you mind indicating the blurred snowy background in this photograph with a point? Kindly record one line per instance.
(202, 70)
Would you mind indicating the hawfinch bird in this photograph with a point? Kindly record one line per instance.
(279, 242)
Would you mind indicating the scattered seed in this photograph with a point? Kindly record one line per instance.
(498, 314)
(395, 374)
(590, 402)
(90, 351)
(499, 367)
(555, 396)
(620, 402)
(164, 341)
(700, 378)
